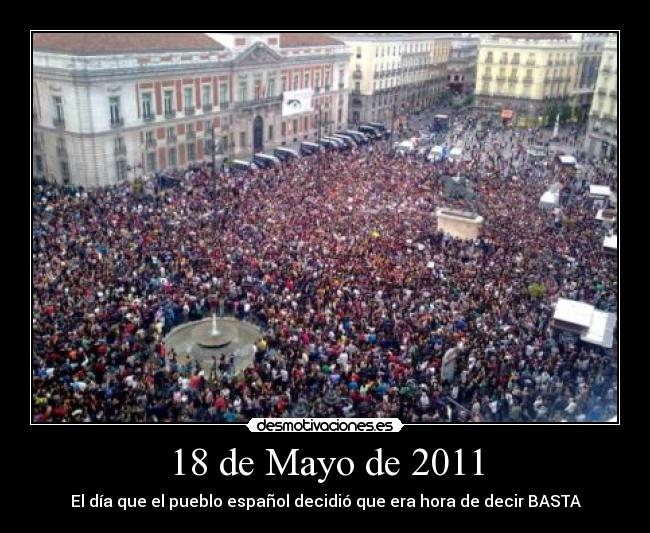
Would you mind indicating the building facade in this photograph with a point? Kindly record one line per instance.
(602, 130)
(461, 69)
(589, 55)
(110, 106)
(524, 75)
(394, 73)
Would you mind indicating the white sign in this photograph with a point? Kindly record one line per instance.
(295, 102)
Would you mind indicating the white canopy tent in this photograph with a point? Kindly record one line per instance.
(611, 243)
(601, 329)
(599, 191)
(567, 159)
(594, 326)
(549, 200)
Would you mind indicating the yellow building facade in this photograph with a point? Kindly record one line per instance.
(602, 130)
(387, 71)
(528, 74)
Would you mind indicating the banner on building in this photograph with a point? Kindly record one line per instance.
(295, 102)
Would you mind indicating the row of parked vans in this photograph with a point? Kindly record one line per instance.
(341, 140)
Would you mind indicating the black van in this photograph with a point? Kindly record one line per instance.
(266, 161)
(285, 154)
(309, 148)
(370, 132)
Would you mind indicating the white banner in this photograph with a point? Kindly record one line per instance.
(295, 102)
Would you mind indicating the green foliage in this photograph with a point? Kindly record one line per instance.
(537, 290)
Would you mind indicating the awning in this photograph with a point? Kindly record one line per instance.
(507, 113)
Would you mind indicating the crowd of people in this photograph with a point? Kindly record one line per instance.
(365, 309)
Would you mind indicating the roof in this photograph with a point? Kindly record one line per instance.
(117, 43)
(574, 312)
(291, 40)
(599, 190)
(534, 35)
(601, 329)
(567, 160)
(611, 242)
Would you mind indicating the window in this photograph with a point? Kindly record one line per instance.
(121, 169)
(242, 139)
(317, 81)
(341, 76)
(284, 129)
(223, 93)
(39, 164)
(358, 52)
(151, 162)
(190, 129)
(306, 124)
(207, 127)
(515, 59)
(327, 79)
(169, 102)
(171, 157)
(191, 152)
(284, 83)
(188, 100)
(357, 86)
(206, 95)
(529, 73)
(207, 146)
(146, 105)
(258, 89)
(243, 91)
(295, 127)
(114, 105)
(340, 117)
(65, 171)
(296, 82)
(270, 88)
(171, 132)
(306, 85)
(58, 109)
(270, 133)
(120, 147)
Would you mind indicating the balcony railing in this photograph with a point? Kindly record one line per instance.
(528, 81)
(515, 61)
(150, 143)
(500, 77)
(250, 104)
(149, 118)
(602, 92)
(357, 74)
(61, 151)
(486, 77)
(120, 150)
(503, 61)
(224, 106)
(190, 135)
(613, 94)
(117, 123)
(59, 122)
(171, 139)
(530, 63)
(207, 108)
(189, 111)
(513, 79)
(170, 113)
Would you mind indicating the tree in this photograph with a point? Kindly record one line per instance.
(537, 290)
(565, 113)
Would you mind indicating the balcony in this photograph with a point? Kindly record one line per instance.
(120, 150)
(223, 106)
(513, 79)
(515, 61)
(341, 86)
(117, 123)
(486, 77)
(190, 135)
(528, 81)
(501, 77)
(530, 63)
(357, 74)
(489, 60)
(607, 69)
(61, 151)
(602, 92)
(150, 143)
(189, 111)
(149, 118)
(252, 104)
(171, 139)
(59, 123)
(613, 94)
(207, 108)
(170, 113)
(503, 61)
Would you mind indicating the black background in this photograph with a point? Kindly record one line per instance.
(595, 462)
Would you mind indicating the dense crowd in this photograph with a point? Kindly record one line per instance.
(359, 298)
